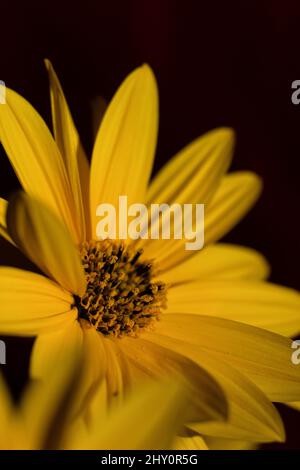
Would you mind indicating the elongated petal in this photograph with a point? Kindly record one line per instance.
(193, 174)
(118, 377)
(12, 436)
(191, 441)
(261, 304)
(218, 443)
(31, 303)
(68, 142)
(50, 348)
(251, 415)
(45, 241)
(125, 144)
(191, 177)
(295, 405)
(262, 356)
(219, 261)
(148, 420)
(36, 158)
(48, 402)
(3, 228)
(236, 194)
(149, 360)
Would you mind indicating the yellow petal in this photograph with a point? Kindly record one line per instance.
(50, 348)
(149, 419)
(190, 441)
(6, 409)
(295, 405)
(12, 436)
(45, 241)
(149, 360)
(193, 174)
(3, 228)
(117, 370)
(47, 404)
(36, 158)
(31, 303)
(251, 415)
(217, 443)
(191, 177)
(256, 303)
(125, 144)
(262, 356)
(219, 261)
(68, 142)
(235, 196)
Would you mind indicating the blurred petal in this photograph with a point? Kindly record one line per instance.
(295, 405)
(47, 404)
(190, 441)
(31, 303)
(149, 419)
(153, 361)
(118, 378)
(219, 443)
(49, 348)
(3, 228)
(45, 241)
(262, 356)
(251, 415)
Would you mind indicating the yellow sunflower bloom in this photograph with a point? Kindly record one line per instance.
(44, 419)
(106, 296)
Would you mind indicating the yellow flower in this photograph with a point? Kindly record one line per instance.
(44, 419)
(106, 296)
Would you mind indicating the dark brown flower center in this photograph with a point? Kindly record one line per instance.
(121, 297)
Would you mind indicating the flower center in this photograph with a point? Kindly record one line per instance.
(121, 297)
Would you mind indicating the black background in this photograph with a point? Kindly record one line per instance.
(217, 63)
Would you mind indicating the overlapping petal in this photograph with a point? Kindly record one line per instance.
(251, 415)
(256, 303)
(262, 356)
(31, 304)
(219, 261)
(45, 241)
(68, 142)
(234, 197)
(35, 158)
(151, 361)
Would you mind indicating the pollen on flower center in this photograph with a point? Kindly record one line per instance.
(121, 297)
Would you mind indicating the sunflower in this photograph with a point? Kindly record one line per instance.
(44, 417)
(146, 309)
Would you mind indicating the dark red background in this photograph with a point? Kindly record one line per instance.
(217, 63)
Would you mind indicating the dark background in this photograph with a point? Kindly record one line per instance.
(217, 63)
